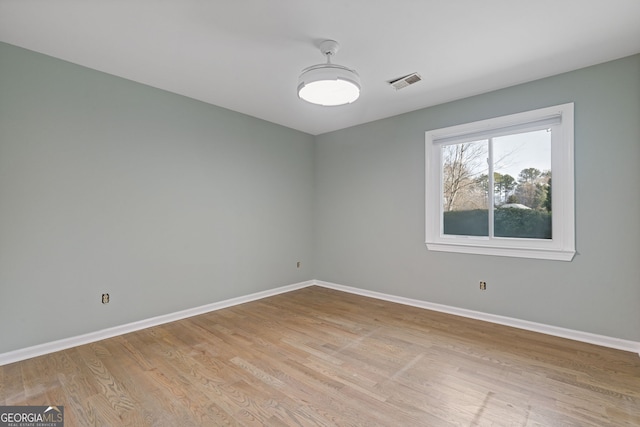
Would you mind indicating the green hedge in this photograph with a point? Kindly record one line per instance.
(510, 222)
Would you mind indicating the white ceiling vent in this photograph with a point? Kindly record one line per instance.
(402, 82)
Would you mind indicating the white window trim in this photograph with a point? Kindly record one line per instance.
(562, 245)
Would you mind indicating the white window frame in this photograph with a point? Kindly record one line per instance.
(562, 244)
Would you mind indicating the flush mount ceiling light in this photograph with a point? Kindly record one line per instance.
(329, 84)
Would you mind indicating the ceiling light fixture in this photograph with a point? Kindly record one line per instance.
(329, 84)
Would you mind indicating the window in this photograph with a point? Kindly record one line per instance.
(503, 186)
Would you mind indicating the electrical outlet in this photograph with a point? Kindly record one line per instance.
(298, 264)
(483, 286)
(105, 298)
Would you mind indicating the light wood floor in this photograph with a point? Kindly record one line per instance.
(318, 357)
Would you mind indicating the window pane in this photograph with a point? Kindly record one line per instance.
(522, 185)
(465, 189)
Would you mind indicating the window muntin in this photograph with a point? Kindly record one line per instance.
(518, 157)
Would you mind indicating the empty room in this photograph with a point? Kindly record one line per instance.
(329, 213)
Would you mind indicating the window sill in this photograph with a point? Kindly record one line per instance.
(548, 254)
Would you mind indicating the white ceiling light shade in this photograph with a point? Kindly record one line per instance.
(329, 84)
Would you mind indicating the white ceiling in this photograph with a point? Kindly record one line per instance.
(246, 55)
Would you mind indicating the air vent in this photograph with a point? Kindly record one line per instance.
(402, 82)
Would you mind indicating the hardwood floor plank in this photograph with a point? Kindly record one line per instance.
(319, 357)
(13, 384)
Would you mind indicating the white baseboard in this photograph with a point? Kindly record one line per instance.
(587, 337)
(63, 344)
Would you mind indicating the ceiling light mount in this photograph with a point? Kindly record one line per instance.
(329, 47)
(329, 84)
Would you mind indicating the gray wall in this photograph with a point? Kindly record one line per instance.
(370, 209)
(164, 202)
(167, 203)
